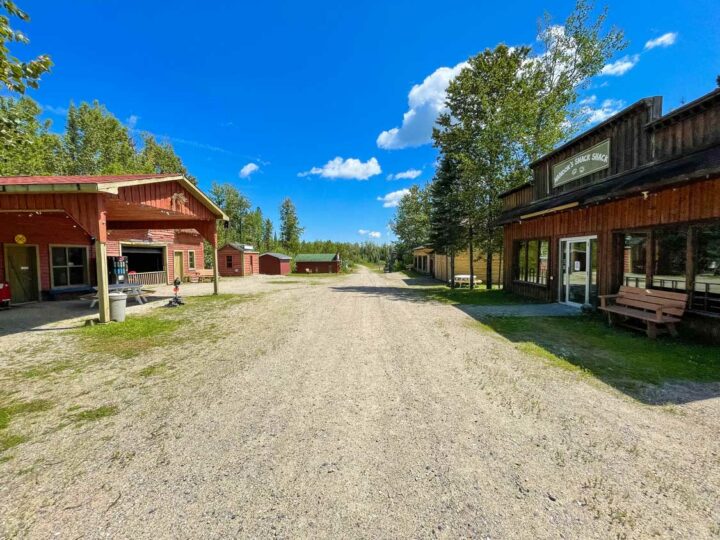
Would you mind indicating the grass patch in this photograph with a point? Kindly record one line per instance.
(9, 440)
(91, 415)
(44, 370)
(311, 275)
(130, 338)
(478, 297)
(8, 412)
(153, 370)
(285, 281)
(622, 358)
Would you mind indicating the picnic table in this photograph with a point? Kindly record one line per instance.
(464, 279)
(134, 290)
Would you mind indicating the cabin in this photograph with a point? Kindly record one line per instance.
(633, 201)
(275, 264)
(317, 263)
(436, 263)
(238, 260)
(423, 259)
(65, 234)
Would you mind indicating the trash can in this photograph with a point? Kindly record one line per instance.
(118, 301)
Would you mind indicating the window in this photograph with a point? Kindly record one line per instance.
(669, 264)
(69, 266)
(706, 293)
(634, 263)
(228, 261)
(191, 260)
(531, 261)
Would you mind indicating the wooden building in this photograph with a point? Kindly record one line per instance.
(238, 260)
(426, 260)
(275, 264)
(318, 263)
(635, 200)
(56, 232)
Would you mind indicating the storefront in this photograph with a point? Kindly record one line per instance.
(634, 201)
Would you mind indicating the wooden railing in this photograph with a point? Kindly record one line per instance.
(148, 278)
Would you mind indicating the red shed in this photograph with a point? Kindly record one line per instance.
(238, 260)
(276, 264)
(318, 263)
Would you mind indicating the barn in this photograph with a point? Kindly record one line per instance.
(634, 201)
(317, 263)
(275, 264)
(238, 260)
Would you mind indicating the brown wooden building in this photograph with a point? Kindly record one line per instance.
(275, 264)
(238, 260)
(318, 263)
(634, 200)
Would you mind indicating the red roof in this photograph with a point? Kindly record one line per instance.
(81, 179)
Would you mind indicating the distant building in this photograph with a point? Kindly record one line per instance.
(276, 264)
(238, 260)
(318, 263)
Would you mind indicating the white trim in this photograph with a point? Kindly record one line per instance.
(140, 243)
(565, 271)
(51, 267)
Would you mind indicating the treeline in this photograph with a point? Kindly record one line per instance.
(506, 108)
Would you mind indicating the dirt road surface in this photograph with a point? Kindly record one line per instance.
(352, 408)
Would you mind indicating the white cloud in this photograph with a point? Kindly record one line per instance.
(248, 169)
(351, 169)
(392, 199)
(663, 41)
(620, 67)
(426, 101)
(60, 111)
(410, 174)
(371, 234)
(607, 108)
(132, 121)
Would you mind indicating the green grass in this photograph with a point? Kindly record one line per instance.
(311, 275)
(130, 338)
(479, 296)
(91, 415)
(153, 369)
(7, 412)
(623, 358)
(9, 440)
(286, 281)
(44, 370)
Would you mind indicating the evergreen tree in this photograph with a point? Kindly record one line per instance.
(411, 223)
(235, 205)
(290, 229)
(267, 240)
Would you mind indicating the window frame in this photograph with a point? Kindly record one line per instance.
(191, 260)
(518, 248)
(85, 266)
(228, 261)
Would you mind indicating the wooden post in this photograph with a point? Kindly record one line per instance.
(216, 271)
(102, 281)
(690, 265)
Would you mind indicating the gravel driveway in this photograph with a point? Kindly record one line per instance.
(351, 408)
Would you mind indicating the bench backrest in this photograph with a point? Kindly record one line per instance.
(672, 303)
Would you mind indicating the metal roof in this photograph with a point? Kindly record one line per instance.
(240, 247)
(316, 257)
(280, 256)
(79, 179)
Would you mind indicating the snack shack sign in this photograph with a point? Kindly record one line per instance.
(586, 162)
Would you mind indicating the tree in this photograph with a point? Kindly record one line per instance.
(16, 75)
(411, 223)
(267, 235)
(290, 229)
(28, 147)
(161, 158)
(508, 107)
(235, 205)
(253, 228)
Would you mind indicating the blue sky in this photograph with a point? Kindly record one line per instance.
(287, 87)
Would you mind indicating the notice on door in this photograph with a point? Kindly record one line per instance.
(577, 266)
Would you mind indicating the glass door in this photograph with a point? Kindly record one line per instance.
(578, 270)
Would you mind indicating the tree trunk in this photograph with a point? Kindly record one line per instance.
(488, 274)
(472, 263)
(452, 269)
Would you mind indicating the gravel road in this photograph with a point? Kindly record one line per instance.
(351, 408)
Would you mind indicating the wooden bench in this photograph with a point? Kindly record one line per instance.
(659, 310)
(202, 275)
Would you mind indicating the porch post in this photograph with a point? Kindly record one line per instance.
(216, 270)
(102, 280)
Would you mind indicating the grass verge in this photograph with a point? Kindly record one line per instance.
(91, 415)
(478, 297)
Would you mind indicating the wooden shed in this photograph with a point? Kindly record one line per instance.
(275, 264)
(238, 260)
(318, 263)
(633, 201)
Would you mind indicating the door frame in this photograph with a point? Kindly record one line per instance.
(182, 261)
(37, 266)
(562, 270)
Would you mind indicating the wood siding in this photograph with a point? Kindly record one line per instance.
(273, 266)
(318, 267)
(462, 266)
(692, 202)
(243, 263)
(520, 197)
(684, 133)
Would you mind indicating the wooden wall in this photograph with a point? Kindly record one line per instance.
(681, 134)
(520, 197)
(462, 266)
(692, 202)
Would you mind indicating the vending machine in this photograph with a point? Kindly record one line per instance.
(118, 269)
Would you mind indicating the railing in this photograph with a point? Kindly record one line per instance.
(148, 278)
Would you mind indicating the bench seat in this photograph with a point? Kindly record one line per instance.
(659, 310)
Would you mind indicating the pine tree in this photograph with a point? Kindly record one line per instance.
(290, 229)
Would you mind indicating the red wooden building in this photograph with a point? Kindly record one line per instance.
(318, 263)
(633, 201)
(238, 260)
(57, 232)
(276, 264)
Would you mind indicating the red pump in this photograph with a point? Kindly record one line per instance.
(4, 294)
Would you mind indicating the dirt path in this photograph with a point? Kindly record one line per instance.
(352, 408)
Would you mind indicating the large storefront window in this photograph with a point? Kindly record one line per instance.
(706, 296)
(531, 261)
(670, 258)
(634, 259)
(69, 266)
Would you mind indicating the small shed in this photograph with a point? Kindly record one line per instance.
(275, 264)
(317, 263)
(238, 260)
